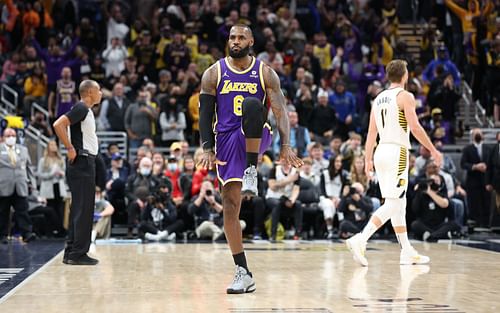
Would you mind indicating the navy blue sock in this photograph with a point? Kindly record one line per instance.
(252, 159)
(241, 260)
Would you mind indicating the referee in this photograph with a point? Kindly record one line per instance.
(82, 150)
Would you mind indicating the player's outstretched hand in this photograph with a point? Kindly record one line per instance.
(288, 156)
(208, 160)
(438, 157)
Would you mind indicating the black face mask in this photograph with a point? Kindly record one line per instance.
(240, 54)
(478, 138)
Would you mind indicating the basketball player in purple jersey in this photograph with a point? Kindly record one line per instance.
(234, 131)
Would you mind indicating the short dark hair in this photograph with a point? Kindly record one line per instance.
(395, 70)
(244, 26)
(86, 85)
(317, 145)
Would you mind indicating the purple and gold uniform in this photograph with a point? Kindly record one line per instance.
(232, 88)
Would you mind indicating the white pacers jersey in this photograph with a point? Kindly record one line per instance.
(391, 156)
(391, 122)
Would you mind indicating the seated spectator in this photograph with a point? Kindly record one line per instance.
(51, 171)
(431, 207)
(173, 173)
(356, 208)
(158, 219)
(421, 160)
(351, 149)
(45, 220)
(253, 209)
(142, 178)
(282, 194)
(206, 208)
(299, 137)
(319, 163)
(186, 178)
(116, 178)
(333, 182)
(358, 175)
(334, 148)
(309, 196)
(447, 164)
(159, 165)
(102, 217)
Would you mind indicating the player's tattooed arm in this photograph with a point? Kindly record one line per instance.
(207, 112)
(278, 105)
(209, 80)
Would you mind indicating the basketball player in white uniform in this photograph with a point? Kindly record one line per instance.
(392, 117)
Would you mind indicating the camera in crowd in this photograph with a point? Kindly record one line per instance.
(208, 192)
(352, 191)
(423, 184)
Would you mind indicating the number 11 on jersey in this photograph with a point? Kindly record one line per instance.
(383, 114)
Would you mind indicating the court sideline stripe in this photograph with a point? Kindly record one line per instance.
(29, 278)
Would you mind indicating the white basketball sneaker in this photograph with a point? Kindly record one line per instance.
(242, 282)
(410, 256)
(250, 181)
(358, 247)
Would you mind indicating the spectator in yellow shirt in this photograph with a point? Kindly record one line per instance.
(35, 89)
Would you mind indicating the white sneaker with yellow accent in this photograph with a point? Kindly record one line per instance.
(357, 246)
(412, 257)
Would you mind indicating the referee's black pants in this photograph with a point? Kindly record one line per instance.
(81, 181)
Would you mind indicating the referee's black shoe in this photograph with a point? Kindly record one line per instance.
(28, 237)
(83, 260)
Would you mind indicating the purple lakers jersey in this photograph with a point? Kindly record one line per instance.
(232, 88)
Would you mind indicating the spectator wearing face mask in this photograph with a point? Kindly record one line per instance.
(474, 161)
(142, 178)
(173, 172)
(15, 170)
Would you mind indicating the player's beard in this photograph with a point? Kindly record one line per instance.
(239, 54)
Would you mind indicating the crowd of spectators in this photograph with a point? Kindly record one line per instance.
(149, 56)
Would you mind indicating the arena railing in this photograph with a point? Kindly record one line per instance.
(9, 98)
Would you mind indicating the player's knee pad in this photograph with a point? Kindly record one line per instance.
(253, 117)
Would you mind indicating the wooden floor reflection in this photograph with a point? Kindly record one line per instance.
(305, 277)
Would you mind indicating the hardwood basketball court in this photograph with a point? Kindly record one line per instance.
(290, 277)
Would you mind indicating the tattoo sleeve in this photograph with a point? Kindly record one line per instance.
(278, 104)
